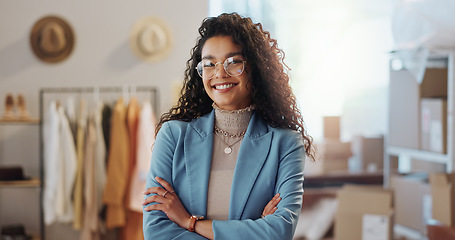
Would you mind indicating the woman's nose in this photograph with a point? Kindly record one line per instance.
(219, 71)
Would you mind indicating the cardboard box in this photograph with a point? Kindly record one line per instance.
(433, 127)
(368, 151)
(326, 165)
(332, 127)
(332, 156)
(364, 213)
(404, 100)
(412, 200)
(434, 83)
(330, 148)
(443, 195)
(331, 165)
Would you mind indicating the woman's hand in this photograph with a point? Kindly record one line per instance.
(270, 208)
(168, 202)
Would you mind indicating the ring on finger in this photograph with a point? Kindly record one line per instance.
(164, 195)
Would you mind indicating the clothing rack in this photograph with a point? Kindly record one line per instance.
(126, 91)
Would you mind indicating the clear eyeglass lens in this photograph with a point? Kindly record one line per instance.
(233, 66)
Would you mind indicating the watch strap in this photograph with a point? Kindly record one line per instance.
(193, 220)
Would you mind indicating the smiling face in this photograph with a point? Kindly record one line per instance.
(227, 92)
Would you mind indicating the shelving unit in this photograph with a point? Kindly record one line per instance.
(408, 154)
(22, 132)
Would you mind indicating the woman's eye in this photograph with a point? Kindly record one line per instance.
(209, 64)
(232, 60)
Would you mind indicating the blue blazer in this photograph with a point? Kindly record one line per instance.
(270, 161)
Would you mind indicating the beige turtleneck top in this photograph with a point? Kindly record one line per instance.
(223, 165)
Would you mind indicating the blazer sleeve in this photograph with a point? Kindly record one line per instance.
(156, 225)
(281, 224)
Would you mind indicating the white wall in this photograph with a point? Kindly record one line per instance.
(101, 57)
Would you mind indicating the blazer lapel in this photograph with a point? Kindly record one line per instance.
(252, 155)
(198, 145)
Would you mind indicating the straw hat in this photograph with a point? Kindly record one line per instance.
(151, 39)
(52, 39)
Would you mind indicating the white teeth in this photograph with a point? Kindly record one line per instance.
(224, 86)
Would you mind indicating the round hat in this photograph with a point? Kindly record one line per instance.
(52, 39)
(151, 39)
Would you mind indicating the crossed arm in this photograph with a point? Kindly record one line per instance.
(169, 203)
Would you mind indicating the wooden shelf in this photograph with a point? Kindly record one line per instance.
(341, 178)
(16, 121)
(419, 154)
(21, 183)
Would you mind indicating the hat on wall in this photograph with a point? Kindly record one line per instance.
(52, 39)
(151, 39)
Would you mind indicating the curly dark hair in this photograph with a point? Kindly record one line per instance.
(271, 93)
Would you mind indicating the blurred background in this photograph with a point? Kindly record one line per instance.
(374, 80)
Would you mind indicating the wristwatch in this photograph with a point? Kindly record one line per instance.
(193, 220)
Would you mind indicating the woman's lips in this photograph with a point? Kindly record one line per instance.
(224, 86)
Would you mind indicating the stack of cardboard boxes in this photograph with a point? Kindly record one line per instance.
(332, 154)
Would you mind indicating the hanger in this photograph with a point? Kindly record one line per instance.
(96, 94)
(133, 90)
(125, 94)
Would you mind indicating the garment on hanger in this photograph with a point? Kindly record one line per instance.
(70, 110)
(51, 125)
(145, 140)
(59, 166)
(90, 215)
(67, 170)
(80, 145)
(117, 169)
(94, 177)
(100, 156)
(106, 123)
(133, 226)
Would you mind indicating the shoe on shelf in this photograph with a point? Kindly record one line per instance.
(22, 113)
(9, 108)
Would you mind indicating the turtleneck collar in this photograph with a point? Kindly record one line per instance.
(233, 121)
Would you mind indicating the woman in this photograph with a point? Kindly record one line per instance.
(228, 159)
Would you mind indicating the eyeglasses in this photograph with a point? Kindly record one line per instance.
(233, 66)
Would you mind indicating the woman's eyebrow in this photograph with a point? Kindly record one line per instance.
(231, 54)
(210, 57)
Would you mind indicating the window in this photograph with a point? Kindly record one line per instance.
(338, 54)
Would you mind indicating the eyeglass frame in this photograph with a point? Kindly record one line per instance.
(224, 68)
